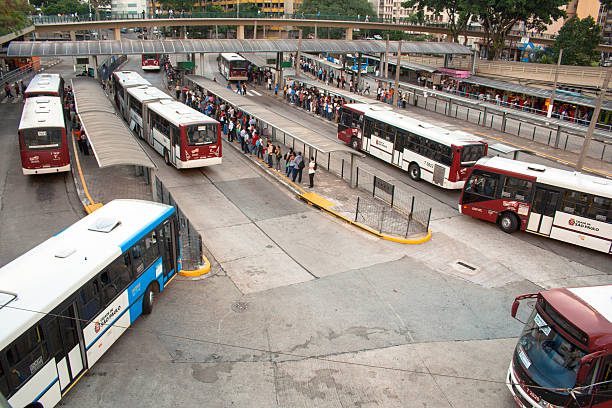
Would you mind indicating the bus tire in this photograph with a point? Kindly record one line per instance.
(355, 143)
(414, 171)
(166, 157)
(148, 300)
(508, 222)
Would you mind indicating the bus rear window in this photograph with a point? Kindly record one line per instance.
(471, 153)
(201, 135)
(48, 138)
(239, 64)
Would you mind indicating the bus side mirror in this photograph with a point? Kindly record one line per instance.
(585, 366)
(515, 306)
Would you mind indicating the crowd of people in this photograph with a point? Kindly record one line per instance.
(79, 132)
(18, 87)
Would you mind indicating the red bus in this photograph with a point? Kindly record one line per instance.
(233, 66)
(185, 137)
(45, 85)
(150, 62)
(43, 144)
(434, 154)
(564, 355)
(564, 205)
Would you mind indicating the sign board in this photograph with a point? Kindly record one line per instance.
(383, 185)
(186, 64)
(286, 64)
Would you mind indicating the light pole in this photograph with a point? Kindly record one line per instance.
(237, 8)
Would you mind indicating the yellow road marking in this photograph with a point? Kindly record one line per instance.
(94, 206)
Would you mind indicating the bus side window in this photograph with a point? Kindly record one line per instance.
(516, 189)
(347, 118)
(120, 272)
(480, 185)
(109, 288)
(4, 386)
(26, 356)
(137, 258)
(151, 248)
(601, 209)
(575, 203)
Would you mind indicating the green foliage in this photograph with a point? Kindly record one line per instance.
(343, 8)
(14, 15)
(459, 13)
(544, 56)
(579, 40)
(65, 7)
(177, 5)
(212, 8)
(498, 17)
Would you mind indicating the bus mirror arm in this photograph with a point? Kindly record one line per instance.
(585, 365)
(515, 304)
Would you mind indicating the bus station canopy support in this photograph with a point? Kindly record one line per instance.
(111, 140)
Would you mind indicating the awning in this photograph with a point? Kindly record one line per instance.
(188, 46)
(111, 140)
(533, 91)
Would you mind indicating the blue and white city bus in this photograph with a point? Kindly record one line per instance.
(66, 301)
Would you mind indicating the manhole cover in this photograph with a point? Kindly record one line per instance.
(465, 267)
(240, 307)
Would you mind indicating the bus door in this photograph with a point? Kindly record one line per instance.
(169, 260)
(401, 141)
(71, 350)
(543, 210)
(175, 144)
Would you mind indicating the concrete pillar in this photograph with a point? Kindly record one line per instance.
(397, 71)
(95, 64)
(264, 31)
(299, 54)
(349, 33)
(216, 31)
(72, 35)
(117, 33)
(199, 64)
(474, 56)
(358, 69)
(240, 32)
(315, 36)
(279, 69)
(255, 30)
(386, 75)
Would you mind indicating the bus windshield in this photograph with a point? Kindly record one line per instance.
(471, 153)
(201, 135)
(550, 359)
(48, 138)
(149, 57)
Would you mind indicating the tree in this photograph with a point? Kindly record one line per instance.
(351, 8)
(458, 12)
(498, 17)
(579, 40)
(65, 7)
(14, 15)
(177, 5)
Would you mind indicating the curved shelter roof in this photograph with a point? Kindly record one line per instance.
(176, 46)
(111, 140)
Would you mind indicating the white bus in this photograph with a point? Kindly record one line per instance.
(45, 85)
(43, 143)
(560, 204)
(233, 67)
(121, 81)
(185, 137)
(66, 301)
(437, 155)
(138, 99)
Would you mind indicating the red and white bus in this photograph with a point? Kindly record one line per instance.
(564, 355)
(185, 137)
(121, 81)
(233, 67)
(437, 155)
(43, 144)
(150, 62)
(45, 85)
(564, 205)
(138, 97)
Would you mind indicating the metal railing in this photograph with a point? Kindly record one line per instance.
(106, 68)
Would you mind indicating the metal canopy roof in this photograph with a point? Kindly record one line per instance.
(111, 140)
(265, 115)
(116, 47)
(532, 91)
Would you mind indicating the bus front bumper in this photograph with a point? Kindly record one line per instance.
(45, 170)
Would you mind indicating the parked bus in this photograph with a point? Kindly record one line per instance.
(434, 154)
(150, 62)
(43, 144)
(45, 85)
(564, 205)
(185, 137)
(122, 80)
(138, 98)
(564, 355)
(233, 67)
(99, 275)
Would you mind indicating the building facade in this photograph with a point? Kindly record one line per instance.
(133, 7)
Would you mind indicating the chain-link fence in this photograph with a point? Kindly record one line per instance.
(190, 239)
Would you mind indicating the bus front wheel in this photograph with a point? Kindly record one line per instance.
(414, 171)
(166, 157)
(148, 299)
(508, 222)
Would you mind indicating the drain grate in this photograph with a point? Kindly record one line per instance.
(240, 307)
(465, 267)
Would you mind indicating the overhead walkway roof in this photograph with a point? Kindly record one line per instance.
(263, 113)
(111, 140)
(117, 47)
(533, 91)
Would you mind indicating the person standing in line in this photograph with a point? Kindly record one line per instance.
(230, 130)
(242, 140)
(289, 162)
(279, 157)
(177, 92)
(298, 166)
(7, 89)
(270, 153)
(312, 168)
(16, 86)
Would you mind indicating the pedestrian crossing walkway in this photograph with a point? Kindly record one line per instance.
(12, 100)
(252, 92)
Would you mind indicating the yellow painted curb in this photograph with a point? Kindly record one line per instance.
(197, 272)
(93, 206)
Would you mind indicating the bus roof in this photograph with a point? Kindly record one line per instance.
(588, 308)
(232, 56)
(439, 134)
(47, 274)
(178, 113)
(130, 78)
(146, 93)
(549, 175)
(42, 112)
(44, 83)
